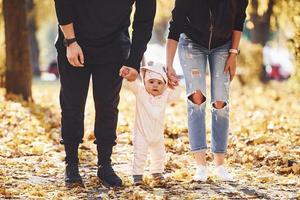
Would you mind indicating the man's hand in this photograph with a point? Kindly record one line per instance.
(230, 65)
(172, 76)
(128, 73)
(75, 55)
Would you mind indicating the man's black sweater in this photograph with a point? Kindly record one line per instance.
(101, 28)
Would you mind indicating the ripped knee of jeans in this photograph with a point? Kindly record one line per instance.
(220, 107)
(197, 98)
(219, 104)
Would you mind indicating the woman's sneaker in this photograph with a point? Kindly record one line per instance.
(201, 173)
(222, 174)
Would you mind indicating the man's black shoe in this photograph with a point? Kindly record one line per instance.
(108, 176)
(72, 176)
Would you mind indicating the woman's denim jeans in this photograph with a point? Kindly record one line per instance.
(193, 59)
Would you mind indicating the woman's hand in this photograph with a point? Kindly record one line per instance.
(231, 65)
(172, 77)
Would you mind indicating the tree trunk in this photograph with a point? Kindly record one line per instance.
(18, 65)
(261, 32)
(34, 49)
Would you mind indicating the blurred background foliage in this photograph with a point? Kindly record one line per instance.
(277, 21)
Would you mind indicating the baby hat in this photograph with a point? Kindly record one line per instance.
(154, 71)
(153, 75)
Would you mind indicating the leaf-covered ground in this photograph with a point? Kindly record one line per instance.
(264, 149)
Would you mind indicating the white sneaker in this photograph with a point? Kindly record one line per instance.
(201, 173)
(222, 174)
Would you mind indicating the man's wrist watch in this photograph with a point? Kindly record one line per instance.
(68, 42)
(234, 51)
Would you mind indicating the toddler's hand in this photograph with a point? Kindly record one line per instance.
(124, 71)
(128, 73)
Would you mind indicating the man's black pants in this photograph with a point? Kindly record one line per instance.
(74, 89)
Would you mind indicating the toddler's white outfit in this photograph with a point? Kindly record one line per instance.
(148, 134)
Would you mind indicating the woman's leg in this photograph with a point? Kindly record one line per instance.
(219, 157)
(220, 108)
(193, 60)
(219, 100)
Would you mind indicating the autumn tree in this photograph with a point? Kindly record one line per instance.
(33, 43)
(18, 66)
(281, 17)
(2, 47)
(261, 20)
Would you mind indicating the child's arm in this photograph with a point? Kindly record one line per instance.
(132, 85)
(174, 94)
(128, 73)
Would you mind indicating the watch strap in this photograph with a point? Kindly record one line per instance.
(68, 42)
(235, 51)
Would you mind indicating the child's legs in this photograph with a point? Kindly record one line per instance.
(140, 151)
(157, 156)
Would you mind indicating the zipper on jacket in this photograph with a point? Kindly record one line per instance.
(210, 29)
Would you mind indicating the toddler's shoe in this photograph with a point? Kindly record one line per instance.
(137, 180)
(158, 176)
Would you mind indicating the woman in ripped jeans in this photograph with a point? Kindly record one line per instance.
(206, 32)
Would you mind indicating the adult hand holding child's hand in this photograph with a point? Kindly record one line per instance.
(128, 73)
(172, 76)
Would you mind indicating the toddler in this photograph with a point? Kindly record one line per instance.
(152, 95)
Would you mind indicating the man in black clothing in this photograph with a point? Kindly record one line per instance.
(93, 41)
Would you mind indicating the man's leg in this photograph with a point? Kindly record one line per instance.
(106, 88)
(73, 93)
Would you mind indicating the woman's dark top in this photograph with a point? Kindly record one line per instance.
(101, 28)
(197, 19)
